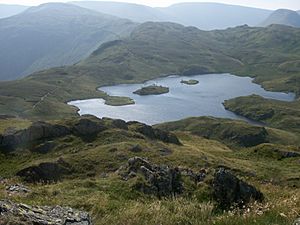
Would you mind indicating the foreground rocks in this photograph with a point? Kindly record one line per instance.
(17, 189)
(41, 215)
(228, 190)
(159, 180)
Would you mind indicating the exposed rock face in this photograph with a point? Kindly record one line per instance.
(41, 133)
(153, 133)
(37, 131)
(228, 190)
(42, 215)
(45, 172)
(195, 176)
(44, 147)
(297, 222)
(86, 127)
(159, 180)
(17, 189)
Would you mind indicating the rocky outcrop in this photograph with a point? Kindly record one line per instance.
(40, 134)
(37, 131)
(87, 127)
(45, 172)
(159, 180)
(228, 190)
(42, 215)
(17, 189)
(153, 133)
(194, 176)
(297, 221)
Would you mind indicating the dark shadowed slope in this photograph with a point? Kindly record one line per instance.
(11, 10)
(284, 17)
(53, 34)
(206, 16)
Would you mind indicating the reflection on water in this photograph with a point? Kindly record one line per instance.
(203, 99)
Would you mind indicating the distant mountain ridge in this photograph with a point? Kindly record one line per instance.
(53, 34)
(205, 16)
(283, 17)
(11, 10)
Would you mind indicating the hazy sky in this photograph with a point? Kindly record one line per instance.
(268, 4)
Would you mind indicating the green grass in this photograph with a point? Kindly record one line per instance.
(281, 115)
(154, 50)
(118, 101)
(115, 201)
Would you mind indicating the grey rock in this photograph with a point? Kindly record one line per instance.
(153, 133)
(87, 127)
(297, 222)
(195, 176)
(17, 189)
(44, 215)
(12, 139)
(228, 190)
(159, 180)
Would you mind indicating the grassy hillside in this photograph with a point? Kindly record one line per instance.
(94, 183)
(53, 34)
(282, 115)
(235, 134)
(158, 49)
(153, 50)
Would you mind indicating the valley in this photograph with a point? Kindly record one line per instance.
(128, 114)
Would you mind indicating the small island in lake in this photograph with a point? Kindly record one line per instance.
(152, 90)
(190, 82)
(118, 101)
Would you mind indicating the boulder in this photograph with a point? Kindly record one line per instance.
(88, 127)
(228, 190)
(42, 215)
(136, 148)
(153, 133)
(121, 124)
(159, 180)
(194, 176)
(17, 189)
(297, 221)
(45, 172)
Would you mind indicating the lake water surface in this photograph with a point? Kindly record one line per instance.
(203, 99)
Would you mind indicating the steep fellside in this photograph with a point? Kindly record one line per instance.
(284, 17)
(53, 34)
(158, 49)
